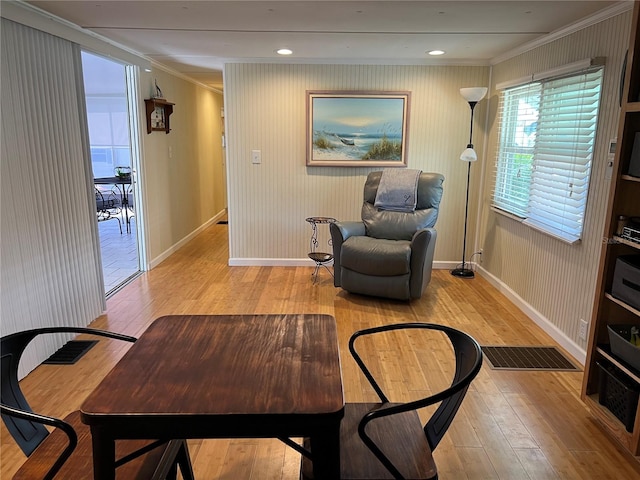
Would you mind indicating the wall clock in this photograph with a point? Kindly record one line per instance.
(158, 111)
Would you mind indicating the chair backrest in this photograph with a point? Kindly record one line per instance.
(105, 202)
(28, 435)
(27, 432)
(468, 357)
(402, 225)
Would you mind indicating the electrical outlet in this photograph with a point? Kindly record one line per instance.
(584, 328)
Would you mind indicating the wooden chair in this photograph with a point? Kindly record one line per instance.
(385, 440)
(66, 452)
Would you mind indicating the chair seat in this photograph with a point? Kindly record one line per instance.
(80, 465)
(376, 256)
(400, 437)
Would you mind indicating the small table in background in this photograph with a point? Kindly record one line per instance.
(322, 259)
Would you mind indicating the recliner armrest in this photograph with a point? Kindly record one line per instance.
(340, 231)
(423, 245)
(350, 229)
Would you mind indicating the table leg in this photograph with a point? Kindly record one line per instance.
(325, 448)
(125, 206)
(104, 456)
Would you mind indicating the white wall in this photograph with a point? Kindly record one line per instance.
(265, 106)
(553, 281)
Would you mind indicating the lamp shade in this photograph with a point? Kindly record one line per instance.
(473, 94)
(469, 155)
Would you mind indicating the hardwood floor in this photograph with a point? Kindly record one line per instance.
(512, 425)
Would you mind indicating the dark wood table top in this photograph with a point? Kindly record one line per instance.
(208, 376)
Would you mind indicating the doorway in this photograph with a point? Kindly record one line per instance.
(107, 104)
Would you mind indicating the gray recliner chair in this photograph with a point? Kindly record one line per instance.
(389, 253)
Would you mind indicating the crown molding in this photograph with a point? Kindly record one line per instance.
(418, 62)
(605, 14)
(33, 17)
(187, 78)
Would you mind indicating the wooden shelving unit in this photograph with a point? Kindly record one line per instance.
(623, 200)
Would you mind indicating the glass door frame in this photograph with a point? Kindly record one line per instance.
(132, 73)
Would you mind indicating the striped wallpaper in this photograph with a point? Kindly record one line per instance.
(553, 280)
(266, 110)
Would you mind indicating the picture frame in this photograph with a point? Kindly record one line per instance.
(357, 128)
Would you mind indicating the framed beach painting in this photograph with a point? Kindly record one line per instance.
(357, 129)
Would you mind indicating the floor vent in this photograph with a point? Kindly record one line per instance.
(70, 352)
(528, 358)
(223, 222)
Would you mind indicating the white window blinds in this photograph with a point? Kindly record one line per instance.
(518, 119)
(547, 136)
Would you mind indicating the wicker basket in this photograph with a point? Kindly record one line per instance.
(621, 347)
(618, 394)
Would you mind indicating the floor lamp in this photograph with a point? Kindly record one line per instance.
(472, 95)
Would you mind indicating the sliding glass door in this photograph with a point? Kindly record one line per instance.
(108, 115)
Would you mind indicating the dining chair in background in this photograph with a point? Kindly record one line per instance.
(66, 452)
(386, 440)
(107, 207)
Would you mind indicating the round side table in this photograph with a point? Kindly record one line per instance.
(321, 259)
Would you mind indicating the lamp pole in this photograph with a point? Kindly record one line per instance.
(473, 96)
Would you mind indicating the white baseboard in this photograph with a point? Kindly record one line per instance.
(558, 335)
(271, 262)
(450, 265)
(163, 256)
(307, 262)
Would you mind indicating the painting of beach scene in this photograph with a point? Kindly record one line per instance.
(360, 129)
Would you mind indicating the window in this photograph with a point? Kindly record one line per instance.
(107, 114)
(547, 136)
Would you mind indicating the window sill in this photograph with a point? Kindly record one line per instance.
(504, 213)
(537, 228)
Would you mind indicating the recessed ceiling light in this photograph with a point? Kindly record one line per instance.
(284, 51)
(436, 52)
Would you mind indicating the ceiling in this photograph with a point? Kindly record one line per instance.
(197, 38)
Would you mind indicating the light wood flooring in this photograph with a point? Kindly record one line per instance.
(512, 425)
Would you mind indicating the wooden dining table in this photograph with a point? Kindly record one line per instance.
(224, 376)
